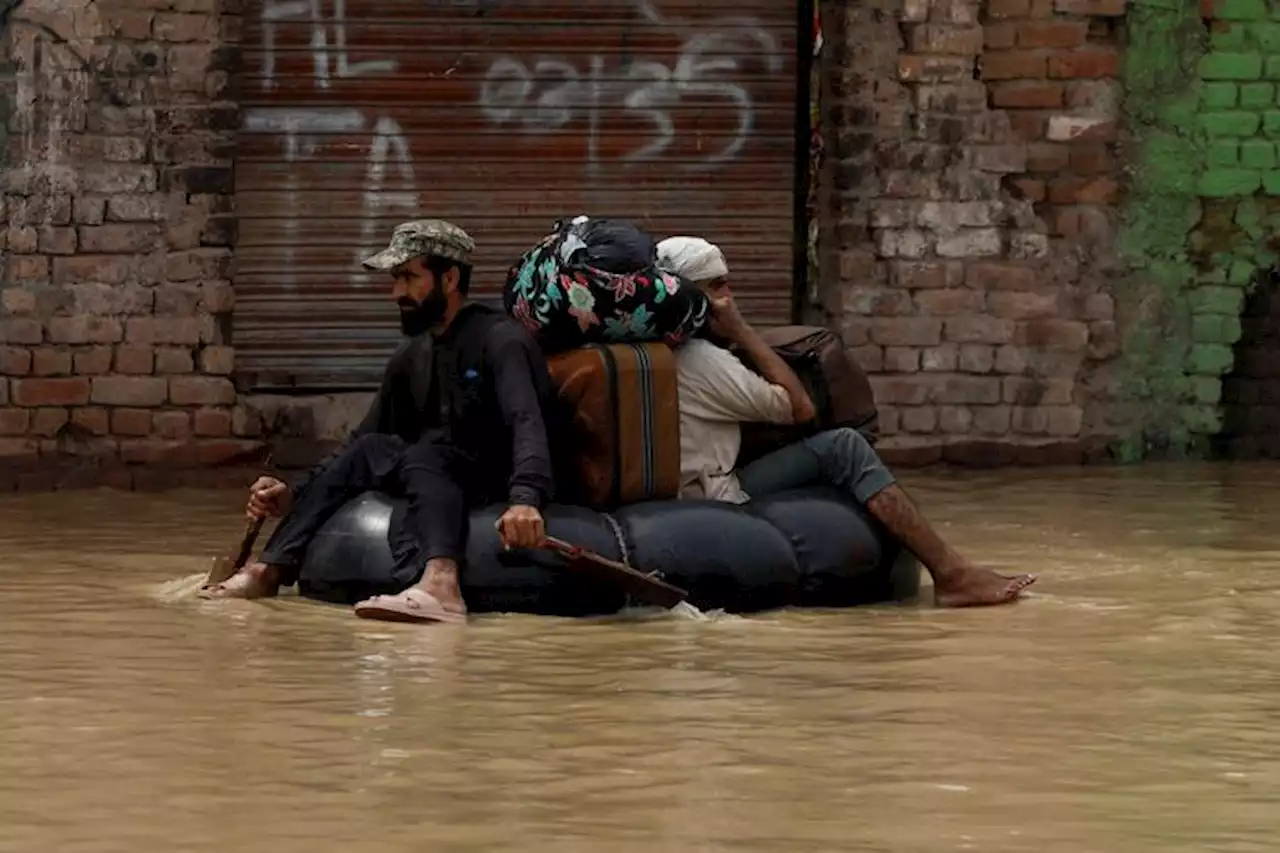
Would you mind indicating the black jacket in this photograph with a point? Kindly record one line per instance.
(483, 388)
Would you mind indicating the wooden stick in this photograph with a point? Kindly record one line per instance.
(225, 568)
(646, 587)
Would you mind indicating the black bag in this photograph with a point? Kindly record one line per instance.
(836, 384)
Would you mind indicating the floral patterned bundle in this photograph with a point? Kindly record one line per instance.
(568, 303)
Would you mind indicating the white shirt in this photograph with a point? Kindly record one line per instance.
(718, 393)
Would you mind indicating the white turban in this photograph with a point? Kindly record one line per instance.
(692, 258)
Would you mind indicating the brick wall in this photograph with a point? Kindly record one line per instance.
(117, 253)
(968, 203)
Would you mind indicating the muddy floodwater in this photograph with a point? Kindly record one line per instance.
(1129, 705)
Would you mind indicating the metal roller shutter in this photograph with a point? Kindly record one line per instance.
(502, 116)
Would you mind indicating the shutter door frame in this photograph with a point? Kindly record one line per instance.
(354, 120)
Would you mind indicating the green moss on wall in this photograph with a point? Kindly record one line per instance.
(1203, 123)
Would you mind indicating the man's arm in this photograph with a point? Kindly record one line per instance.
(729, 322)
(512, 364)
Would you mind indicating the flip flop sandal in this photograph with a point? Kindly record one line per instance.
(412, 605)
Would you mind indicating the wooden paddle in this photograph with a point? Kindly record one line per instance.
(643, 587)
(225, 568)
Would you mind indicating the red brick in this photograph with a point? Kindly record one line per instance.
(173, 360)
(1075, 190)
(979, 330)
(171, 424)
(1090, 158)
(976, 358)
(1098, 306)
(901, 390)
(58, 241)
(14, 421)
(941, 38)
(136, 359)
(1065, 420)
(20, 331)
(1032, 391)
(1002, 276)
(1012, 65)
(1100, 8)
(94, 421)
(220, 361)
(991, 420)
(1030, 420)
(1032, 94)
(51, 392)
(920, 276)
(869, 357)
(1008, 8)
(1030, 189)
(14, 449)
(948, 302)
(140, 391)
(119, 239)
(163, 330)
(1027, 126)
(95, 360)
(46, 361)
(1033, 34)
(176, 28)
(229, 451)
(1000, 36)
(47, 422)
(201, 391)
(85, 329)
(1104, 340)
(904, 331)
(216, 423)
(217, 297)
(1054, 334)
(901, 360)
(157, 451)
(939, 359)
(14, 361)
(26, 269)
(1047, 157)
(1022, 305)
(959, 388)
(1090, 62)
(917, 69)
(919, 419)
(131, 422)
(954, 420)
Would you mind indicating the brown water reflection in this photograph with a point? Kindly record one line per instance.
(1125, 707)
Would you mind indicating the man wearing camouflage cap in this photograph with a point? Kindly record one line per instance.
(460, 420)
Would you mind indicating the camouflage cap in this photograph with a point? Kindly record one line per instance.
(423, 237)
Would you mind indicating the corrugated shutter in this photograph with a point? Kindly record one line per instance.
(502, 116)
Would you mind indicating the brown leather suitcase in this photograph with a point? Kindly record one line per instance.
(836, 384)
(621, 403)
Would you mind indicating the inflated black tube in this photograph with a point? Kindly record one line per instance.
(363, 550)
(846, 557)
(725, 556)
(805, 548)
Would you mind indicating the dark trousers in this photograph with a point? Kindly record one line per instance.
(430, 474)
(839, 457)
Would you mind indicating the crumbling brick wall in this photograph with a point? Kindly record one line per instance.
(117, 195)
(967, 199)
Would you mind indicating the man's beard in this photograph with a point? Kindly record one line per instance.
(417, 318)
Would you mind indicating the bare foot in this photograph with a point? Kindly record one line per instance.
(975, 587)
(256, 580)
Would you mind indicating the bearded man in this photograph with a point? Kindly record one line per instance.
(459, 421)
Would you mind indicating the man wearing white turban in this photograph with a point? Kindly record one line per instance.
(718, 393)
